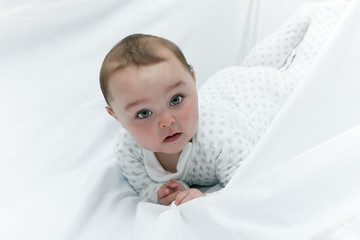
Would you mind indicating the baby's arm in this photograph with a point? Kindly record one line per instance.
(135, 172)
(133, 168)
(140, 181)
(231, 157)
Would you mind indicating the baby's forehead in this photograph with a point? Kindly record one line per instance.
(166, 56)
(131, 71)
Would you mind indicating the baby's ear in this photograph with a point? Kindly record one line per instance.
(193, 75)
(111, 112)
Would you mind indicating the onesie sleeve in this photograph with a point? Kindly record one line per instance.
(229, 160)
(130, 159)
(237, 141)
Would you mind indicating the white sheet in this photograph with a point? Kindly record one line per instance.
(58, 175)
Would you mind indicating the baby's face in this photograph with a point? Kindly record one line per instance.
(156, 104)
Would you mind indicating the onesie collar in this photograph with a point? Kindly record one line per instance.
(157, 173)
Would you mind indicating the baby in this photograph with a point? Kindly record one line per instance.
(169, 140)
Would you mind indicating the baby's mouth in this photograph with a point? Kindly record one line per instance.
(172, 138)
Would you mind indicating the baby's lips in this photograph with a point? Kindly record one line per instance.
(173, 137)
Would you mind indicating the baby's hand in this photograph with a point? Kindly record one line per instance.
(167, 193)
(188, 195)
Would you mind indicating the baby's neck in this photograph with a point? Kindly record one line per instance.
(168, 161)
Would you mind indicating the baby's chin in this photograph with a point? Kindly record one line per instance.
(171, 151)
(177, 150)
(163, 150)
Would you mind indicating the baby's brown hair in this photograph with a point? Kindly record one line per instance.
(138, 50)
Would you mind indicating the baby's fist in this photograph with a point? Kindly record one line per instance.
(168, 192)
(188, 195)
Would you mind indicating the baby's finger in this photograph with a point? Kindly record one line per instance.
(181, 197)
(168, 199)
(186, 199)
(172, 183)
(190, 195)
(162, 192)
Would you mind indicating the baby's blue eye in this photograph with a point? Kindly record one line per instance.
(144, 113)
(176, 100)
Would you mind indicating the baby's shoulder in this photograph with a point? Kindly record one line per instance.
(126, 147)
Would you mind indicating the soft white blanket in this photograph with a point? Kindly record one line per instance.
(58, 175)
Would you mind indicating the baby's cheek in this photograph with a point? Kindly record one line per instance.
(186, 113)
(144, 136)
(191, 115)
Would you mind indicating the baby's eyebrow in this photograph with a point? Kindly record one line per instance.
(175, 85)
(133, 104)
(167, 89)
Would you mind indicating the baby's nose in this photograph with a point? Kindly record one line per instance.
(166, 121)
